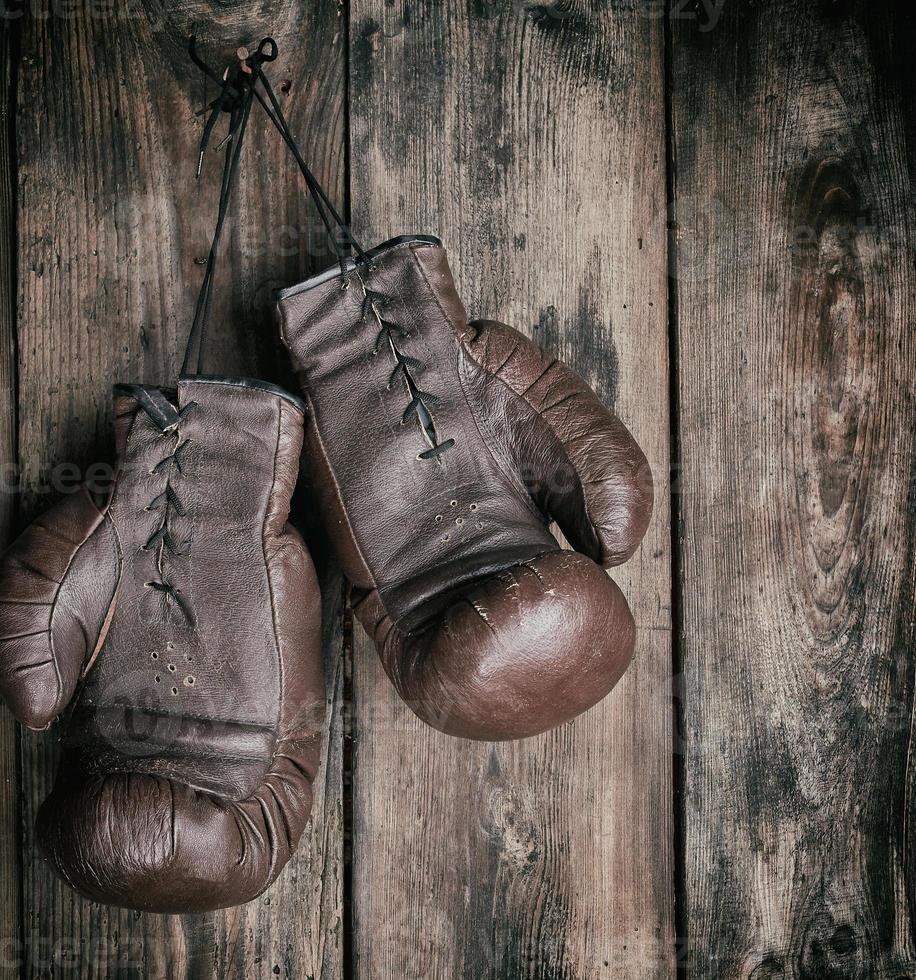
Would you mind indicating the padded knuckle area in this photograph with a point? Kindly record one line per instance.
(530, 648)
(154, 844)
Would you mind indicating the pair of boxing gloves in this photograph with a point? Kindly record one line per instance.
(173, 619)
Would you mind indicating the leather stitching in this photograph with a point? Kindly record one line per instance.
(550, 428)
(55, 604)
(191, 717)
(461, 345)
(343, 507)
(273, 604)
(421, 402)
(521, 491)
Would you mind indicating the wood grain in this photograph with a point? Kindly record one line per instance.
(530, 137)
(795, 163)
(111, 228)
(11, 879)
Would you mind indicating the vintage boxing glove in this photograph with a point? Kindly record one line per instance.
(175, 625)
(441, 450)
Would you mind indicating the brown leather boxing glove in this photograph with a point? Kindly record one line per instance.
(441, 451)
(176, 624)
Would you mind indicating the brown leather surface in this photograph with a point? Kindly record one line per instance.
(486, 627)
(192, 611)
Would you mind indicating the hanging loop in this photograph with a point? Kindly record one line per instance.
(238, 90)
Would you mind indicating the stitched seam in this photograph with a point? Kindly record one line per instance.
(184, 715)
(89, 660)
(273, 604)
(553, 432)
(343, 507)
(111, 510)
(55, 604)
(177, 751)
(319, 439)
(521, 492)
(284, 321)
(523, 495)
(432, 291)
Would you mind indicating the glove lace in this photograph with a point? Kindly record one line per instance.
(168, 419)
(238, 89)
(421, 402)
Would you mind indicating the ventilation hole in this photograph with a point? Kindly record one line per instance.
(189, 681)
(172, 668)
(447, 537)
(459, 520)
(154, 655)
(158, 678)
(438, 518)
(474, 507)
(174, 690)
(453, 503)
(170, 645)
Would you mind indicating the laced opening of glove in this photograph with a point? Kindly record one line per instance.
(238, 89)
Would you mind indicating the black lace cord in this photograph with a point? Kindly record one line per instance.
(194, 351)
(236, 95)
(267, 51)
(274, 113)
(168, 503)
(237, 88)
(197, 337)
(421, 402)
(316, 192)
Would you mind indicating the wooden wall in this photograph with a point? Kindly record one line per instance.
(551, 857)
(710, 215)
(796, 349)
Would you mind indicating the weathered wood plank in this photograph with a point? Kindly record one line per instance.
(531, 138)
(111, 224)
(11, 881)
(795, 165)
